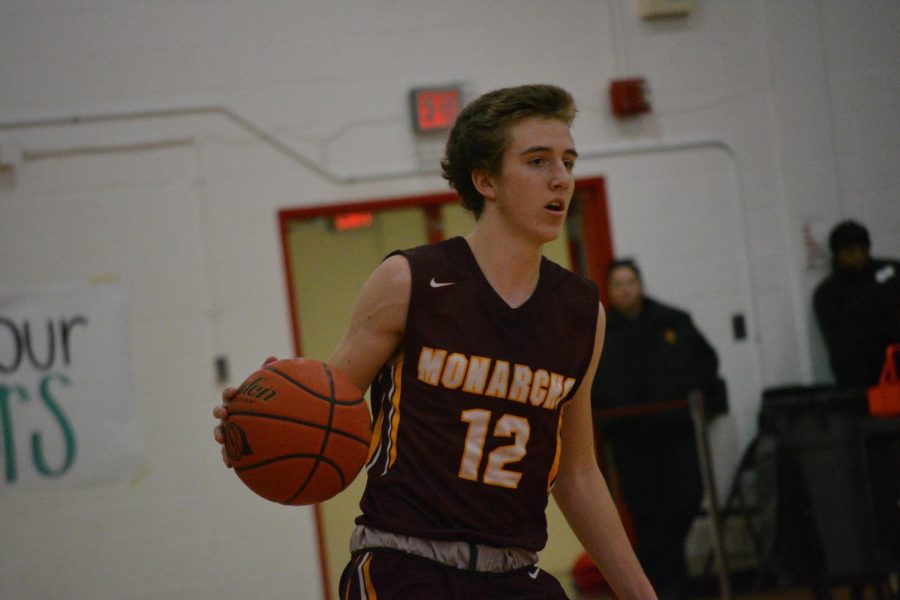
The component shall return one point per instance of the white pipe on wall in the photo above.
(288, 149)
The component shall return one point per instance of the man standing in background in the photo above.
(857, 307)
(653, 355)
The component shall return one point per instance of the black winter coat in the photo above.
(657, 357)
(859, 315)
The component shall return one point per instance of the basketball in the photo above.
(297, 431)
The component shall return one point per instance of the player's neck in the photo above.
(510, 265)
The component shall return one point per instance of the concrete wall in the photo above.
(153, 143)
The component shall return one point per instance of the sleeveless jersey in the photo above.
(466, 443)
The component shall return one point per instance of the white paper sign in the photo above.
(67, 402)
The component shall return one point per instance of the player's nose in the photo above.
(560, 175)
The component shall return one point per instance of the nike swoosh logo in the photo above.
(435, 284)
(534, 574)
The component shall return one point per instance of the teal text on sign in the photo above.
(44, 347)
(57, 418)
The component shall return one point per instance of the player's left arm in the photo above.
(583, 496)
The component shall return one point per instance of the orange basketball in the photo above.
(297, 431)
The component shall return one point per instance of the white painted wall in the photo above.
(180, 207)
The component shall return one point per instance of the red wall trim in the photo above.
(598, 244)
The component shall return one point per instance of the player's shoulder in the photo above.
(560, 275)
(447, 260)
(393, 269)
(443, 248)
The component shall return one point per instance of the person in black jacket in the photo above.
(653, 354)
(857, 307)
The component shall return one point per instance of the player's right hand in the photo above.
(220, 412)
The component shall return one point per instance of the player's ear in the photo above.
(484, 183)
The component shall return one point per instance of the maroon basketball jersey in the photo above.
(467, 424)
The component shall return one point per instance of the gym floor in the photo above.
(708, 590)
(800, 593)
(839, 593)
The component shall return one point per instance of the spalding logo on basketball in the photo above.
(236, 443)
(298, 431)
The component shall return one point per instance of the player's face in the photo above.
(533, 190)
(624, 291)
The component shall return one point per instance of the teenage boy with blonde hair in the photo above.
(480, 353)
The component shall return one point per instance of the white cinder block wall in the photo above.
(176, 200)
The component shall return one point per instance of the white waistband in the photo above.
(460, 555)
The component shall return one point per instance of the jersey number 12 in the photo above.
(495, 473)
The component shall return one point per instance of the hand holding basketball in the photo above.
(296, 431)
(220, 412)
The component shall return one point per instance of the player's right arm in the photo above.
(372, 339)
(377, 323)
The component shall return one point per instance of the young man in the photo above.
(480, 354)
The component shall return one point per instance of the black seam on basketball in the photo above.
(311, 474)
(317, 458)
(306, 389)
(270, 461)
(327, 428)
(313, 392)
(234, 413)
(320, 459)
(305, 482)
(347, 402)
(331, 409)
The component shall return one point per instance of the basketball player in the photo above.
(480, 354)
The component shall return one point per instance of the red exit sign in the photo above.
(435, 109)
(352, 220)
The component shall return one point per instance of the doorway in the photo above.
(330, 250)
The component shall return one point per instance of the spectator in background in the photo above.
(857, 307)
(653, 354)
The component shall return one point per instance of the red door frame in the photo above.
(597, 245)
(287, 215)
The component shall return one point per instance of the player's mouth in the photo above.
(557, 206)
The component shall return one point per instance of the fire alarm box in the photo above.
(657, 9)
(629, 97)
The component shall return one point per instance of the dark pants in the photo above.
(659, 477)
(393, 575)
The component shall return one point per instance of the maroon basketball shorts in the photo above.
(393, 575)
